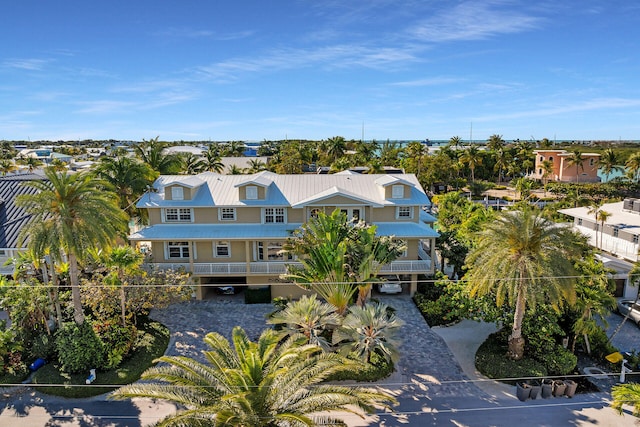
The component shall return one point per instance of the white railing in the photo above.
(276, 268)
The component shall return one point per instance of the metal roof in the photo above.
(287, 190)
(13, 218)
(180, 232)
(621, 219)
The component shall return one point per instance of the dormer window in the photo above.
(252, 192)
(397, 192)
(177, 193)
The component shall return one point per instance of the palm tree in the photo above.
(524, 259)
(594, 209)
(415, 151)
(235, 170)
(455, 141)
(308, 316)
(7, 166)
(609, 163)
(129, 177)
(602, 216)
(336, 148)
(256, 165)
(369, 329)
(32, 163)
(502, 162)
(334, 251)
(472, 157)
(495, 142)
(259, 384)
(192, 164)
(125, 260)
(152, 152)
(626, 394)
(70, 213)
(633, 165)
(547, 170)
(576, 159)
(212, 159)
(593, 299)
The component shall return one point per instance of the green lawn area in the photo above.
(152, 342)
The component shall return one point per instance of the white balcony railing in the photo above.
(277, 268)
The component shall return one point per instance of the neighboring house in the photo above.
(563, 170)
(45, 155)
(12, 218)
(619, 237)
(229, 229)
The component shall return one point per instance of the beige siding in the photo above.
(155, 216)
(187, 192)
(288, 291)
(205, 215)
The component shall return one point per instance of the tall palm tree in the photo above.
(308, 316)
(472, 157)
(495, 142)
(609, 163)
(235, 170)
(455, 141)
(129, 177)
(256, 165)
(125, 260)
(594, 209)
(336, 148)
(602, 217)
(369, 329)
(633, 165)
(524, 259)
(70, 213)
(502, 162)
(258, 384)
(575, 159)
(547, 170)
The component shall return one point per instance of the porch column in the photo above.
(413, 286)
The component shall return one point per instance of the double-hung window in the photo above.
(177, 215)
(177, 193)
(227, 214)
(404, 212)
(178, 249)
(251, 192)
(274, 215)
(222, 249)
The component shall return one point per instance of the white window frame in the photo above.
(181, 214)
(227, 214)
(177, 193)
(220, 244)
(251, 192)
(270, 215)
(397, 191)
(404, 212)
(184, 249)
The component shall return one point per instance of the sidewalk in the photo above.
(463, 339)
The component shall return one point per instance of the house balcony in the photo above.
(276, 268)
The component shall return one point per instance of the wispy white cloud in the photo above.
(105, 106)
(589, 105)
(192, 33)
(433, 81)
(473, 20)
(328, 57)
(31, 64)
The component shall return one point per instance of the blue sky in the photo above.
(254, 70)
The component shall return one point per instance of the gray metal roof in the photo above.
(287, 190)
(13, 218)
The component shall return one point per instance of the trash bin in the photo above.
(547, 389)
(559, 388)
(523, 391)
(571, 388)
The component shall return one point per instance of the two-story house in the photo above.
(618, 236)
(230, 229)
(562, 169)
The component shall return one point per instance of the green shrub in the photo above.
(435, 313)
(257, 295)
(78, 347)
(117, 341)
(600, 345)
(492, 361)
(560, 361)
(377, 369)
(43, 346)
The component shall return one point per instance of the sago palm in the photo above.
(264, 383)
(523, 259)
(369, 329)
(308, 316)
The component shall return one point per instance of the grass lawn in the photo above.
(152, 342)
